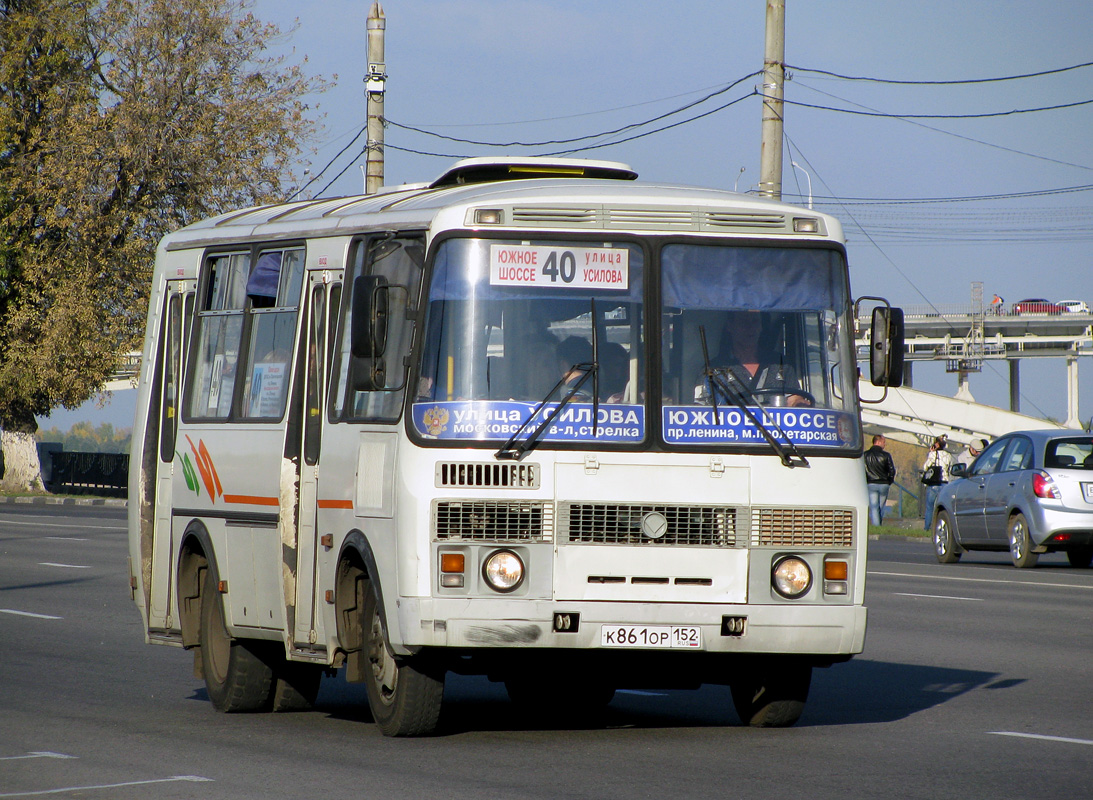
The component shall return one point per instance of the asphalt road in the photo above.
(975, 683)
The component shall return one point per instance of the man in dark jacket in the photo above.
(880, 471)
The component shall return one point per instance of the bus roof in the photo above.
(604, 197)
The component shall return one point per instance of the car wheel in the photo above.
(948, 552)
(1020, 543)
(1080, 556)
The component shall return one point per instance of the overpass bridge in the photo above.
(966, 336)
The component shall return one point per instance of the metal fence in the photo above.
(89, 473)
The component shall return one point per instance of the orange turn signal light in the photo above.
(835, 570)
(451, 562)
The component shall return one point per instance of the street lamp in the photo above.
(737, 181)
(795, 165)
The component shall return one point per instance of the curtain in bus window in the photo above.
(264, 280)
(760, 278)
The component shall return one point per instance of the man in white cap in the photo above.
(971, 453)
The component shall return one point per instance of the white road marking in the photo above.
(65, 538)
(81, 526)
(1066, 739)
(641, 693)
(37, 754)
(174, 779)
(27, 614)
(939, 596)
(63, 566)
(1036, 584)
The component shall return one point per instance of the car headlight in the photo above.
(791, 577)
(503, 571)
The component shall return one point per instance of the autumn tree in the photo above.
(120, 120)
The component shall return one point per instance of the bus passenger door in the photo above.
(310, 431)
(169, 388)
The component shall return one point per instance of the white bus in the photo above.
(499, 424)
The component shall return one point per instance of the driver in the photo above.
(740, 360)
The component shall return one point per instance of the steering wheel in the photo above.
(784, 392)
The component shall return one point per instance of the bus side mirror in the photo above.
(371, 304)
(886, 347)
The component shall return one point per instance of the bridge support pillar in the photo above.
(1072, 420)
(1015, 385)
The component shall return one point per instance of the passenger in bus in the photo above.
(741, 361)
(573, 352)
(614, 371)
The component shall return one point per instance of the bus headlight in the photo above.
(503, 571)
(791, 577)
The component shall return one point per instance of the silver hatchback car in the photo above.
(1028, 492)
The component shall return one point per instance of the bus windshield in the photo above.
(761, 329)
(512, 325)
(510, 321)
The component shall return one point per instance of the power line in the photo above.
(548, 142)
(940, 83)
(929, 116)
(972, 139)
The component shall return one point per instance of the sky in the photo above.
(508, 71)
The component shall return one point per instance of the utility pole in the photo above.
(770, 152)
(373, 90)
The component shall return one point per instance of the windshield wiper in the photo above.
(515, 451)
(740, 395)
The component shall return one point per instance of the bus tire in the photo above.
(772, 694)
(945, 546)
(236, 679)
(295, 685)
(404, 695)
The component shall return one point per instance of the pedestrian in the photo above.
(997, 303)
(971, 452)
(880, 472)
(936, 472)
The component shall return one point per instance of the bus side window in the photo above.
(218, 337)
(400, 262)
(273, 289)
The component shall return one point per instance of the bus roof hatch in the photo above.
(485, 170)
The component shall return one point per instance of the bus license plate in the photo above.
(658, 636)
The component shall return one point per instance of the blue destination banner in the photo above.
(817, 427)
(500, 419)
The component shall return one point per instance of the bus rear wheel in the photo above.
(405, 695)
(772, 694)
(236, 679)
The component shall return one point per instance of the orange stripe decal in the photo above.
(336, 504)
(250, 500)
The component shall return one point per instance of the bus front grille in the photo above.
(492, 521)
(802, 527)
(486, 476)
(652, 525)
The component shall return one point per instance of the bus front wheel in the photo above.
(236, 679)
(404, 694)
(772, 694)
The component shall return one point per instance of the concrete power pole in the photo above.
(770, 152)
(373, 90)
